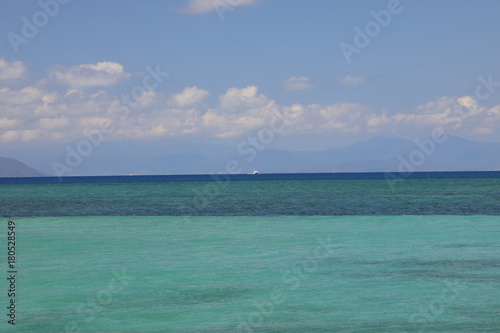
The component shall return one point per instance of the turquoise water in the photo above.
(206, 274)
(277, 255)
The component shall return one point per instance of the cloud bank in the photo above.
(43, 113)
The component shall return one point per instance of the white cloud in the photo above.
(377, 120)
(482, 131)
(22, 96)
(351, 80)
(445, 109)
(146, 99)
(9, 123)
(189, 96)
(238, 100)
(36, 113)
(53, 123)
(102, 74)
(297, 83)
(20, 135)
(92, 122)
(194, 7)
(11, 70)
(461, 116)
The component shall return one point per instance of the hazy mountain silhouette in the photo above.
(379, 154)
(10, 167)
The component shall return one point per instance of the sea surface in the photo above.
(254, 253)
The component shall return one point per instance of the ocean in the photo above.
(366, 252)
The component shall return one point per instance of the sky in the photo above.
(308, 74)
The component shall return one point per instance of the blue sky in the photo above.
(233, 64)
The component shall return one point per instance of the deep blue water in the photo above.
(332, 194)
(259, 177)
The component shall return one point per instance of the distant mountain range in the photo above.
(379, 154)
(10, 167)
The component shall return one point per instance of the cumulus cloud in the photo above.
(19, 135)
(53, 123)
(459, 116)
(241, 99)
(101, 74)
(21, 96)
(6, 123)
(146, 99)
(11, 70)
(194, 7)
(377, 120)
(37, 113)
(467, 101)
(351, 80)
(446, 108)
(297, 83)
(189, 96)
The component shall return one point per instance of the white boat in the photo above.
(255, 172)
